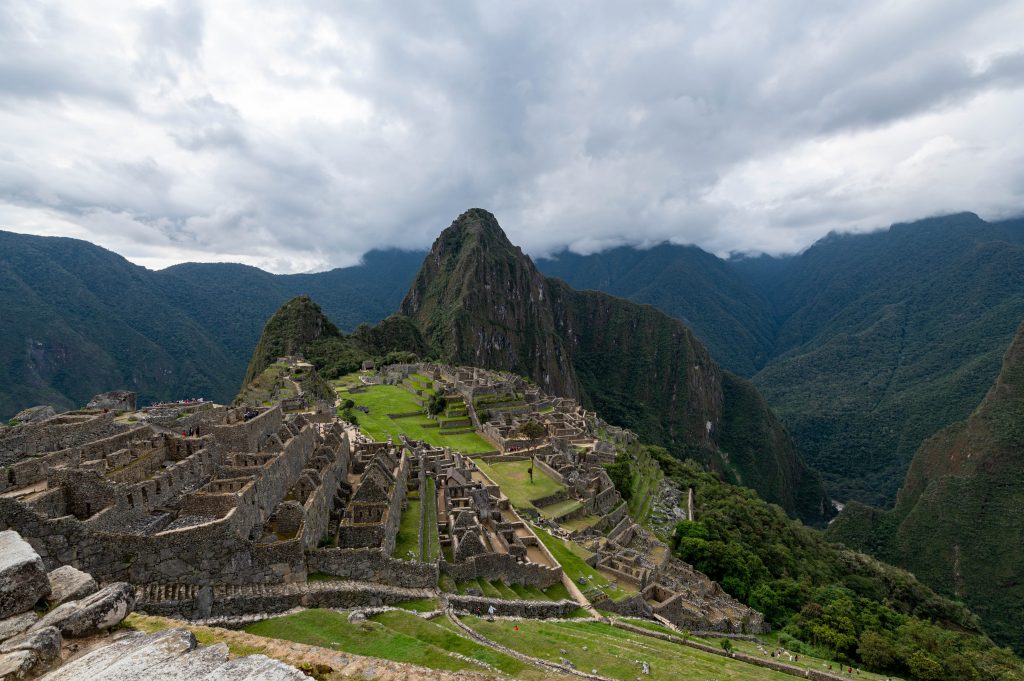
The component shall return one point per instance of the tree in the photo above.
(437, 404)
(533, 429)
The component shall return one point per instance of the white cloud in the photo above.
(297, 136)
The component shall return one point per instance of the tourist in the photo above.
(490, 613)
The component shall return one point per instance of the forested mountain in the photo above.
(864, 344)
(480, 301)
(959, 515)
(78, 319)
(731, 317)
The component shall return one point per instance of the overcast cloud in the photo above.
(296, 136)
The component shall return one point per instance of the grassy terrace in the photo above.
(433, 548)
(572, 558)
(407, 541)
(398, 636)
(382, 400)
(616, 653)
(514, 481)
(647, 476)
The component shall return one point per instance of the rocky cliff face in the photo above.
(480, 301)
(959, 517)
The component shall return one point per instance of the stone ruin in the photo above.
(210, 511)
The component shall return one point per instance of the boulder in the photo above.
(92, 614)
(12, 626)
(23, 581)
(32, 414)
(45, 643)
(17, 665)
(115, 400)
(170, 655)
(70, 584)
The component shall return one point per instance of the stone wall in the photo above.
(372, 565)
(67, 430)
(502, 608)
(502, 567)
(251, 435)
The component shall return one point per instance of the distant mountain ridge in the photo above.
(480, 301)
(78, 319)
(864, 345)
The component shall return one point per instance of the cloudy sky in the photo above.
(296, 136)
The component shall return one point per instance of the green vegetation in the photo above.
(407, 541)
(382, 400)
(571, 557)
(393, 636)
(617, 653)
(824, 596)
(633, 364)
(957, 514)
(419, 605)
(514, 479)
(433, 548)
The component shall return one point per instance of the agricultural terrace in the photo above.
(616, 653)
(381, 400)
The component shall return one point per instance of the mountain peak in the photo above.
(295, 324)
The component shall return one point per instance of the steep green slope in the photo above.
(481, 301)
(300, 328)
(836, 603)
(78, 320)
(729, 316)
(958, 519)
(887, 337)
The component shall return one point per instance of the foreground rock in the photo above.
(23, 579)
(93, 614)
(12, 626)
(171, 655)
(68, 584)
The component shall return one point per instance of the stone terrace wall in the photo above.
(205, 554)
(317, 510)
(251, 435)
(372, 565)
(51, 435)
(502, 608)
(503, 567)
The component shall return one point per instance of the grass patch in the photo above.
(433, 548)
(514, 480)
(419, 604)
(442, 634)
(617, 653)
(571, 556)
(407, 541)
(557, 592)
(582, 523)
(382, 400)
(561, 508)
(331, 629)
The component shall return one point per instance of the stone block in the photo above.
(70, 584)
(92, 614)
(12, 626)
(23, 579)
(44, 642)
(18, 665)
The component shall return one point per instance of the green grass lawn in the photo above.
(419, 604)
(514, 481)
(580, 523)
(382, 400)
(617, 653)
(433, 548)
(407, 541)
(571, 556)
(398, 636)
(561, 508)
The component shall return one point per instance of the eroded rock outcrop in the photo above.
(68, 583)
(92, 614)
